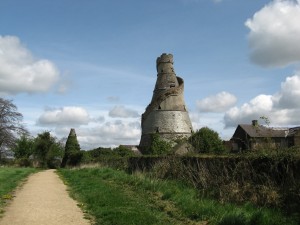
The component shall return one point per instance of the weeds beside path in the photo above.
(43, 199)
(116, 198)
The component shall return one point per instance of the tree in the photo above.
(72, 155)
(10, 125)
(100, 152)
(206, 140)
(23, 149)
(123, 151)
(47, 150)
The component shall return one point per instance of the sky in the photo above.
(91, 64)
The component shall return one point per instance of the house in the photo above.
(254, 136)
(294, 136)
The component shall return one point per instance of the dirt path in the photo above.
(43, 200)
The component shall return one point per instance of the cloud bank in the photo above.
(274, 41)
(282, 108)
(110, 134)
(92, 131)
(66, 116)
(21, 72)
(123, 112)
(275, 33)
(216, 103)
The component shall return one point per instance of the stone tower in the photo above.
(166, 114)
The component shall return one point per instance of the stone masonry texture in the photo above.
(166, 114)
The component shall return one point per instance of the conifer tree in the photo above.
(72, 154)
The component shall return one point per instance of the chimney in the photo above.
(254, 123)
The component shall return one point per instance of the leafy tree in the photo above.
(206, 140)
(72, 154)
(94, 154)
(10, 125)
(24, 147)
(123, 151)
(54, 155)
(159, 146)
(99, 152)
(47, 150)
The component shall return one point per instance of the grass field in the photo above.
(114, 197)
(10, 178)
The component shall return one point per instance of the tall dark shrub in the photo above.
(72, 154)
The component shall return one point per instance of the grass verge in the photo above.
(114, 197)
(10, 178)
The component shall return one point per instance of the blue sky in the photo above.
(90, 65)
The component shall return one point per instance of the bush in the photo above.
(206, 140)
(123, 151)
(159, 146)
(23, 162)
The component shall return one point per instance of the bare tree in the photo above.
(10, 125)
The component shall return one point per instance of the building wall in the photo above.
(297, 138)
(162, 121)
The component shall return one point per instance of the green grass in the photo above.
(10, 178)
(114, 197)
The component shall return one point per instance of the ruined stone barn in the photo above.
(166, 114)
(254, 137)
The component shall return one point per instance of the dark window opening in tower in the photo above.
(157, 129)
(159, 107)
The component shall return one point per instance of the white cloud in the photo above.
(282, 108)
(289, 95)
(21, 72)
(257, 107)
(92, 131)
(216, 103)
(123, 112)
(110, 134)
(275, 33)
(71, 116)
(195, 120)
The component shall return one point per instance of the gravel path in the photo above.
(43, 200)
